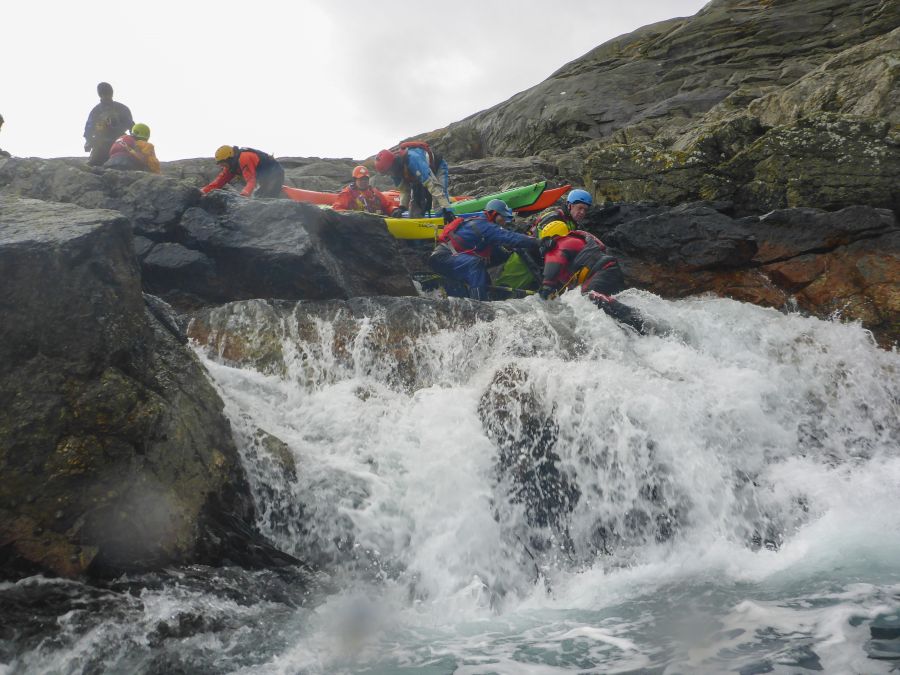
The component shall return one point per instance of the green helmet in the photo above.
(140, 131)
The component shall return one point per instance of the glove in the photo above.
(87, 146)
(397, 213)
(448, 215)
(600, 299)
(545, 292)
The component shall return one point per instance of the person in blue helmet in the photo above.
(524, 272)
(468, 245)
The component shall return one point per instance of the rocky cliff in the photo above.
(749, 151)
(764, 103)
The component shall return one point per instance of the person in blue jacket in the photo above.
(420, 176)
(470, 244)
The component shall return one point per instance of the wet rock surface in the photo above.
(114, 450)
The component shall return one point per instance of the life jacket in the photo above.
(433, 160)
(548, 215)
(450, 235)
(576, 266)
(266, 161)
(124, 144)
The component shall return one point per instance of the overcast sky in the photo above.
(327, 78)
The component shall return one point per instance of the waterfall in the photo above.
(531, 487)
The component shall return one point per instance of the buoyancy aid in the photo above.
(450, 234)
(266, 161)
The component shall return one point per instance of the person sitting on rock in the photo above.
(573, 258)
(468, 245)
(360, 196)
(107, 121)
(260, 171)
(3, 153)
(133, 152)
(421, 178)
(524, 273)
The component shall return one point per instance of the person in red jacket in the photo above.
(360, 196)
(573, 258)
(260, 171)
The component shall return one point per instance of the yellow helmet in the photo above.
(555, 228)
(140, 131)
(224, 152)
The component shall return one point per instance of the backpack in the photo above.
(433, 160)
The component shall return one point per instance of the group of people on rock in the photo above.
(553, 256)
(113, 138)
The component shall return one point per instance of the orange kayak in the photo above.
(548, 198)
(327, 198)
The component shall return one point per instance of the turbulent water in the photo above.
(543, 492)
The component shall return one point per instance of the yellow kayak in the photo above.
(414, 228)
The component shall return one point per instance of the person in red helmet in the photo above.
(360, 196)
(420, 176)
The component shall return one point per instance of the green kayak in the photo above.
(515, 199)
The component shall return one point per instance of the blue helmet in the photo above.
(579, 197)
(500, 207)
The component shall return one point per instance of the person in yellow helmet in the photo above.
(133, 151)
(262, 174)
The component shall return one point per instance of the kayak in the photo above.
(414, 228)
(517, 198)
(548, 198)
(327, 198)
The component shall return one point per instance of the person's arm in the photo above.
(219, 181)
(89, 129)
(493, 234)
(148, 155)
(248, 161)
(386, 205)
(342, 201)
(125, 118)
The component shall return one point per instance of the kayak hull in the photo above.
(515, 199)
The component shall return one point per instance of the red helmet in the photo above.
(384, 160)
(360, 172)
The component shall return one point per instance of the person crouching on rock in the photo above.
(261, 172)
(360, 196)
(469, 245)
(133, 152)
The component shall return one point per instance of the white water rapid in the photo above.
(546, 492)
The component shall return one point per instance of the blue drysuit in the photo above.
(468, 251)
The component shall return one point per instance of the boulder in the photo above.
(153, 203)
(279, 249)
(114, 452)
(689, 237)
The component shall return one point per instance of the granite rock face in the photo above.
(114, 452)
(196, 250)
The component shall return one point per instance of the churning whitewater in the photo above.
(529, 487)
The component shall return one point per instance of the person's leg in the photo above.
(100, 151)
(270, 182)
(606, 277)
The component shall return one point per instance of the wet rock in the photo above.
(105, 417)
(528, 469)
